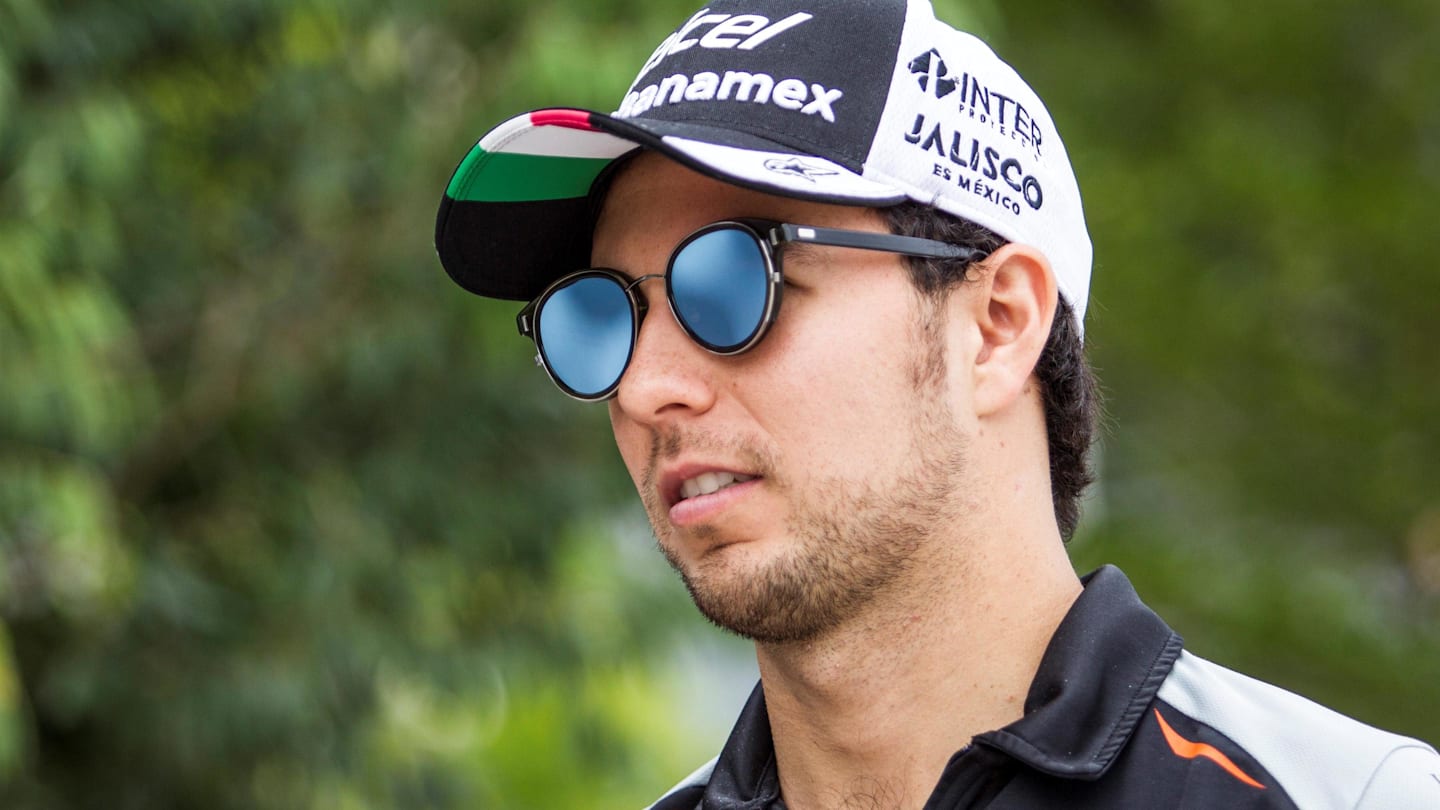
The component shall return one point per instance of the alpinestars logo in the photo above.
(796, 167)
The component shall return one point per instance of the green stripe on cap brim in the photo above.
(521, 178)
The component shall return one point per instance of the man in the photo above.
(874, 480)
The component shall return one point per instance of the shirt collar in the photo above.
(1100, 671)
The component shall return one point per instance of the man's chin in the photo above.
(772, 601)
(706, 551)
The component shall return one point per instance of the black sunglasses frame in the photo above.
(768, 235)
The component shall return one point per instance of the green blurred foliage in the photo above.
(288, 521)
(1263, 189)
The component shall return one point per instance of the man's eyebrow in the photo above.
(805, 252)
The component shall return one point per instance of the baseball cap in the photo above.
(854, 102)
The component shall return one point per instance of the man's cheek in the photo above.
(634, 451)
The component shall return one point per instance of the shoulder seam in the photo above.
(1369, 783)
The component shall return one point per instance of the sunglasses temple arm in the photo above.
(864, 240)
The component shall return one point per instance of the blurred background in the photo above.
(288, 521)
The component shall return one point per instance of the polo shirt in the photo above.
(1119, 715)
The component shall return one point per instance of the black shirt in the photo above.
(1120, 716)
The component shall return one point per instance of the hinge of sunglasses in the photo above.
(778, 236)
(524, 324)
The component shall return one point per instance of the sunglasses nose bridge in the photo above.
(638, 299)
(634, 285)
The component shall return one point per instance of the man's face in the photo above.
(837, 431)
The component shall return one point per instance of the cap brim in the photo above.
(517, 213)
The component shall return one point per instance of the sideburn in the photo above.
(929, 365)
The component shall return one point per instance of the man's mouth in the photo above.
(711, 482)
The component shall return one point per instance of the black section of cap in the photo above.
(512, 249)
(848, 45)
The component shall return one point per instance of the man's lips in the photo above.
(701, 509)
(687, 481)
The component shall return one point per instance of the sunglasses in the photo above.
(723, 283)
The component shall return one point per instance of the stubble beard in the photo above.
(849, 542)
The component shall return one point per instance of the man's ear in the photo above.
(1013, 305)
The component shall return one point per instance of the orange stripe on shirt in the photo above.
(1190, 750)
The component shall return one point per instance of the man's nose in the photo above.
(669, 375)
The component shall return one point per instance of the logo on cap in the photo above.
(1003, 112)
(745, 32)
(932, 72)
(795, 167)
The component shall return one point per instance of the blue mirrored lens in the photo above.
(718, 284)
(585, 333)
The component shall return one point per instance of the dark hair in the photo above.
(1071, 397)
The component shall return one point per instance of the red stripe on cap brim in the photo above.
(563, 117)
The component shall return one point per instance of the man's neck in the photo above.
(877, 707)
